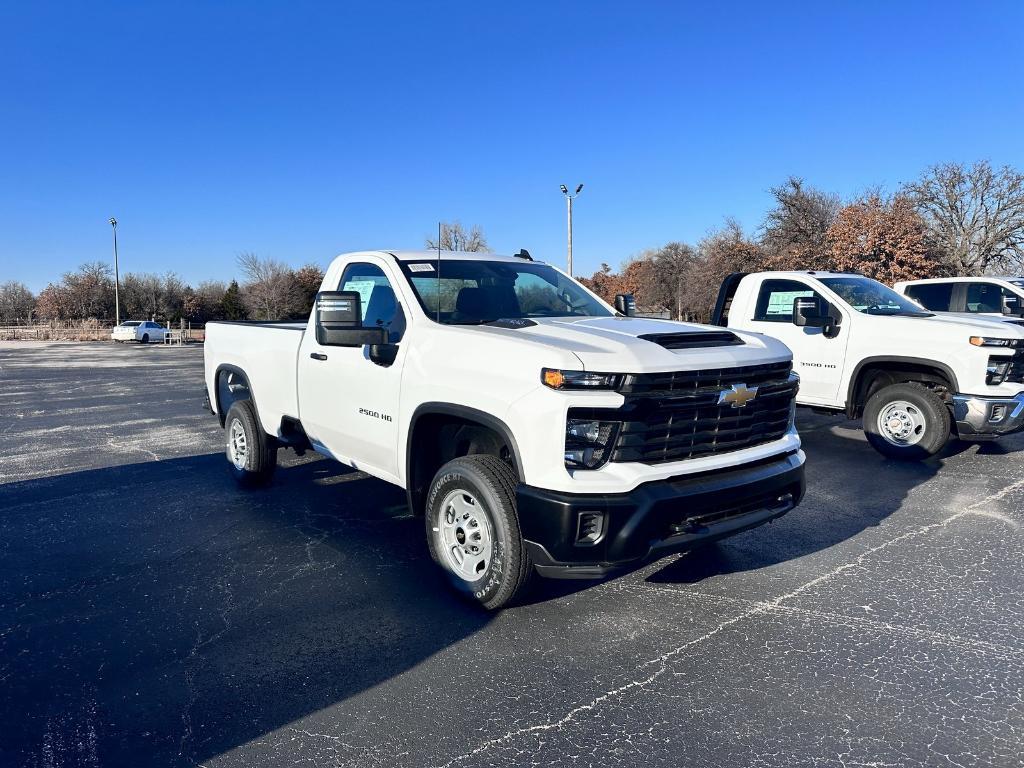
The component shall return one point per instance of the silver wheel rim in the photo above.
(238, 446)
(465, 535)
(901, 423)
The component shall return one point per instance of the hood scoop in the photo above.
(693, 340)
(510, 322)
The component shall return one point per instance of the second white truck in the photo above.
(535, 427)
(865, 350)
(998, 298)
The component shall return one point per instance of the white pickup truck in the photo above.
(998, 298)
(863, 349)
(535, 427)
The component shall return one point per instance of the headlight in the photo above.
(588, 443)
(556, 379)
(995, 371)
(991, 341)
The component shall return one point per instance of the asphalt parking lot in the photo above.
(153, 614)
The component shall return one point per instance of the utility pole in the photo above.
(568, 204)
(117, 279)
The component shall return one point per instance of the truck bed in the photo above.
(267, 352)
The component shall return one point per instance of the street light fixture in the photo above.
(117, 297)
(568, 200)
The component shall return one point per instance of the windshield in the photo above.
(131, 323)
(871, 297)
(477, 292)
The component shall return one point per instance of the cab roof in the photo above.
(809, 273)
(453, 256)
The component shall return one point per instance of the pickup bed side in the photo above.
(261, 357)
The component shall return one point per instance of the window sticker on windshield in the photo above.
(781, 302)
(421, 267)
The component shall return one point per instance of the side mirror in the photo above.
(807, 313)
(1014, 307)
(625, 304)
(338, 319)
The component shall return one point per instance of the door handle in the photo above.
(318, 355)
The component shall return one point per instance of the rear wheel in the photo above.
(907, 422)
(252, 453)
(473, 530)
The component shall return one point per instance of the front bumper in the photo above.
(978, 416)
(654, 519)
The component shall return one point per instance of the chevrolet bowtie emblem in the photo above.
(738, 395)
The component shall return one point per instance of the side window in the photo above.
(377, 298)
(776, 297)
(937, 297)
(984, 297)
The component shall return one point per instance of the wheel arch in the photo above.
(859, 387)
(428, 422)
(225, 395)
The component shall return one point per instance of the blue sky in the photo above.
(303, 130)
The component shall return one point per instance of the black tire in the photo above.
(145, 338)
(257, 464)
(490, 482)
(931, 435)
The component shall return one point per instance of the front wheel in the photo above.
(907, 422)
(473, 530)
(145, 338)
(251, 452)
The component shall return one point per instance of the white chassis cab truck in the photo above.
(534, 427)
(999, 298)
(863, 349)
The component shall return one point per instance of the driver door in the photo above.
(816, 357)
(347, 403)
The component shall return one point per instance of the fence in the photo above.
(80, 330)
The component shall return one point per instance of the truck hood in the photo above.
(969, 324)
(612, 344)
(1001, 320)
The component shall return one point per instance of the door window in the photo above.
(937, 297)
(984, 297)
(775, 300)
(377, 299)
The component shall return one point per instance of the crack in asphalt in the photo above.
(756, 609)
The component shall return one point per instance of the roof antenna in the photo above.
(439, 273)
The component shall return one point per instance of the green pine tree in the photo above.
(231, 306)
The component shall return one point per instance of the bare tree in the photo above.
(16, 302)
(454, 237)
(722, 252)
(89, 292)
(662, 280)
(172, 297)
(271, 291)
(974, 215)
(796, 229)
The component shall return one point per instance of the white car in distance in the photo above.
(143, 331)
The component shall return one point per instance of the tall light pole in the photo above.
(568, 203)
(117, 279)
